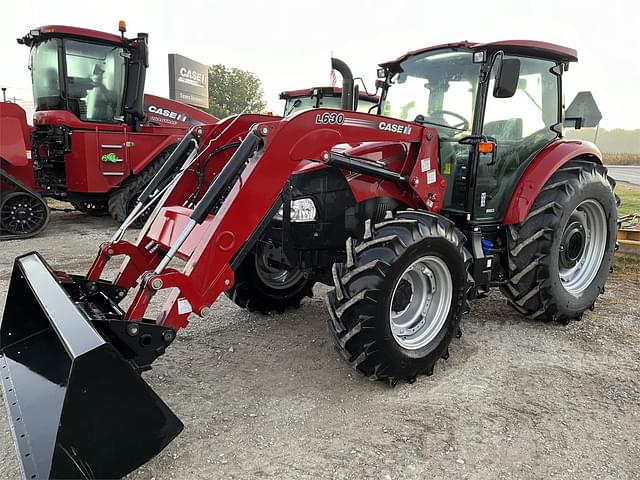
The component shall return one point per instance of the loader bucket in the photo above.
(77, 408)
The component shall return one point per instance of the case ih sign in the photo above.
(188, 81)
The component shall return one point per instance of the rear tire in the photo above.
(561, 255)
(264, 286)
(399, 297)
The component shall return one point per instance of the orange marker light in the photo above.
(122, 26)
(485, 147)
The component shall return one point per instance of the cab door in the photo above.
(521, 126)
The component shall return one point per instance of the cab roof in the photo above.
(63, 30)
(531, 48)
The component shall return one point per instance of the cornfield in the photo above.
(621, 158)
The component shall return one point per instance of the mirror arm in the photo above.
(487, 67)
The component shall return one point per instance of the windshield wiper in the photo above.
(420, 119)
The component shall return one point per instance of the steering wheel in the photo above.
(463, 125)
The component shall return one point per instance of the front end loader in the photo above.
(408, 220)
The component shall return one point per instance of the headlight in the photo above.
(302, 210)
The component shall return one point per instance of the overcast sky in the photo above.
(288, 43)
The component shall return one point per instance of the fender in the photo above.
(541, 168)
(16, 135)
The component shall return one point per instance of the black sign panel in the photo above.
(188, 81)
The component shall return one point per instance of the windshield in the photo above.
(300, 104)
(94, 84)
(437, 87)
(95, 80)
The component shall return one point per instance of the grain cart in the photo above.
(466, 185)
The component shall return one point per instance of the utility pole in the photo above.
(4, 94)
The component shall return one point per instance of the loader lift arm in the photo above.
(242, 194)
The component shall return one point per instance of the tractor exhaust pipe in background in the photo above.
(347, 83)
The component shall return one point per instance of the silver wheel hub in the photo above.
(582, 246)
(420, 302)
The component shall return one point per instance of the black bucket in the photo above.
(78, 409)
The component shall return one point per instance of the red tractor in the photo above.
(465, 185)
(330, 97)
(96, 140)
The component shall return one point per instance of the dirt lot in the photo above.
(269, 397)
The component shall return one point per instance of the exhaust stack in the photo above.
(347, 83)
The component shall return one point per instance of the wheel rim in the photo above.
(582, 246)
(420, 302)
(271, 274)
(22, 214)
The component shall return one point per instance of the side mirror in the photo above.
(507, 78)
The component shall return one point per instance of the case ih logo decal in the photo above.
(191, 77)
(181, 117)
(394, 127)
(340, 119)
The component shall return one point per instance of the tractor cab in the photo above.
(323, 97)
(495, 106)
(98, 77)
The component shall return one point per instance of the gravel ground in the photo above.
(269, 397)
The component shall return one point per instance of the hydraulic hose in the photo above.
(223, 180)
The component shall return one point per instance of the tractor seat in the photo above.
(504, 130)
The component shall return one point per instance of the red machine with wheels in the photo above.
(466, 185)
(96, 138)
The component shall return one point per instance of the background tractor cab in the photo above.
(496, 106)
(346, 98)
(97, 138)
(96, 76)
(323, 97)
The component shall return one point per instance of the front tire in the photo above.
(264, 284)
(561, 255)
(399, 297)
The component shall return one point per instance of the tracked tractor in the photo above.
(96, 140)
(465, 184)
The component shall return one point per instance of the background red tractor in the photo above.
(466, 184)
(347, 97)
(96, 137)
